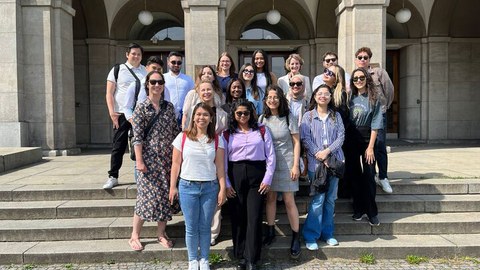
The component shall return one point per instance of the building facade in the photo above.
(57, 55)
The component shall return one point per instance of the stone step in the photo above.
(124, 207)
(351, 247)
(80, 191)
(113, 228)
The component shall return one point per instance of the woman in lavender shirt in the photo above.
(251, 163)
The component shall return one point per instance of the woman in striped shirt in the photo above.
(322, 134)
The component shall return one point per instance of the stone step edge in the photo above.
(350, 247)
(128, 191)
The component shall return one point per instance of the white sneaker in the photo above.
(204, 265)
(385, 185)
(111, 182)
(193, 265)
(311, 246)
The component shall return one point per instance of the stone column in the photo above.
(204, 32)
(13, 127)
(48, 74)
(362, 23)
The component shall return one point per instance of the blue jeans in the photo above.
(198, 200)
(319, 223)
(381, 158)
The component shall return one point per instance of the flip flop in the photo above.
(166, 242)
(135, 244)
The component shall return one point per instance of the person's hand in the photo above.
(173, 194)
(141, 167)
(114, 116)
(231, 192)
(222, 197)
(294, 173)
(369, 155)
(322, 155)
(264, 188)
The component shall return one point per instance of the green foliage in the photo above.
(29, 266)
(367, 258)
(214, 258)
(69, 266)
(414, 259)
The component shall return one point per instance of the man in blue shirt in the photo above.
(177, 84)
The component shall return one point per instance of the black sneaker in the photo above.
(357, 217)
(374, 221)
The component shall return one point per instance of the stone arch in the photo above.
(455, 18)
(295, 22)
(327, 19)
(90, 19)
(126, 26)
(414, 28)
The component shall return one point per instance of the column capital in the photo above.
(186, 4)
(57, 4)
(352, 3)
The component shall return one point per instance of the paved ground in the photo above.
(335, 264)
(405, 161)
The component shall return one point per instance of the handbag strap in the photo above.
(154, 119)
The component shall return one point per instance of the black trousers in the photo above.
(246, 209)
(120, 143)
(359, 175)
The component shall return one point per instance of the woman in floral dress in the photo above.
(153, 160)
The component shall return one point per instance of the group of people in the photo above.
(246, 138)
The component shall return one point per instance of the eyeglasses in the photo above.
(179, 63)
(328, 72)
(154, 82)
(248, 71)
(361, 78)
(240, 113)
(365, 57)
(273, 98)
(330, 60)
(320, 94)
(298, 84)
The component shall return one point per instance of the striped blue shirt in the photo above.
(316, 133)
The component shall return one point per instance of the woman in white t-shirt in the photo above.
(198, 157)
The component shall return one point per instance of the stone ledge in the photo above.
(15, 157)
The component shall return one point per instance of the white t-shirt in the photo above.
(125, 78)
(198, 158)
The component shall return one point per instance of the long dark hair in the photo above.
(147, 79)
(283, 109)
(252, 121)
(266, 70)
(331, 107)
(229, 98)
(192, 129)
(253, 83)
(372, 95)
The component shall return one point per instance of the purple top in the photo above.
(250, 146)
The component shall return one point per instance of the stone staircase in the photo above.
(84, 224)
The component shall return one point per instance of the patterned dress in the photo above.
(283, 144)
(154, 185)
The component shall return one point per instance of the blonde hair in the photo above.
(339, 86)
(295, 56)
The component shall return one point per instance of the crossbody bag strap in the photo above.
(137, 84)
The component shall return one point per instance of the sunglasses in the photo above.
(248, 71)
(328, 72)
(330, 60)
(298, 84)
(240, 113)
(365, 57)
(176, 63)
(154, 82)
(356, 79)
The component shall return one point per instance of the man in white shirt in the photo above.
(119, 79)
(329, 59)
(177, 84)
